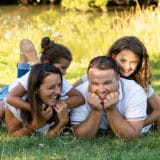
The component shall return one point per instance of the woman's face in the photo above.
(50, 89)
(63, 65)
(127, 62)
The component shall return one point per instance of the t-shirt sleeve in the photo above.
(66, 87)
(13, 84)
(24, 80)
(79, 114)
(150, 92)
(137, 106)
(85, 78)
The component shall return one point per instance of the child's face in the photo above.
(50, 89)
(127, 62)
(63, 65)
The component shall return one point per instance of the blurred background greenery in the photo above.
(87, 33)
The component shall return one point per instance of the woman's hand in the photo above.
(62, 112)
(46, 112)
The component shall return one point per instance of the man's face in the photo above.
(102, 82)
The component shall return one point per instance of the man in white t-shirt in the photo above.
(110, 101)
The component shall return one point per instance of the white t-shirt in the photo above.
(150, 91)
(85, 78)
(132, 103)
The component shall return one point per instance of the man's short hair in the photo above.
(103, 63)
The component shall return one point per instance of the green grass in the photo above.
(70, 148)
(87, 35)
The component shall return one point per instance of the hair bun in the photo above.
(45, 42)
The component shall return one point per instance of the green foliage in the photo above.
(87, 34)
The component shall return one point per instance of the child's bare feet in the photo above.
(28, 52)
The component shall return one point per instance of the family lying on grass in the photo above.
(115, 94)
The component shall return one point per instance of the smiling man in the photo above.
(110, 101)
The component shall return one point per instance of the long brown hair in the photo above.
(142, 74)
(37, 74)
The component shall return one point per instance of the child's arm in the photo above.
(14, 98)
(78, 82)
(75, 98)
(81, 80)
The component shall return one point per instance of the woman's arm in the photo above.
(14, 126)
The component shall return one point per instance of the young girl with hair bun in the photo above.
(59, 56)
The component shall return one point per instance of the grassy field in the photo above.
(70, 148)
(86, 34)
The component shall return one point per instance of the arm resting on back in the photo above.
(154, 104)
(15, 98)
(74, 99)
